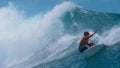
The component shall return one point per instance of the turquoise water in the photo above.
(56, 35)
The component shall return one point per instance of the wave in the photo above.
(56, 35)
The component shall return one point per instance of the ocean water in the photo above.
(50, 40)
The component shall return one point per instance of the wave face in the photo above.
(61, 29)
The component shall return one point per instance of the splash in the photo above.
(111, 36)
(19, 34)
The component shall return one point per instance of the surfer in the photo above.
(83, 45)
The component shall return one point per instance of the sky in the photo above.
(32, 7)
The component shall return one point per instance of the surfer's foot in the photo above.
(91, 44)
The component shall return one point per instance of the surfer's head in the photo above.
(86, 33)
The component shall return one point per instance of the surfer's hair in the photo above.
(86, 33)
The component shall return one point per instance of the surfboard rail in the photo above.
(94, 49)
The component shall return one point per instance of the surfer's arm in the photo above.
(90, 35)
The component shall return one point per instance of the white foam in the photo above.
(111, 36)
(20, 36)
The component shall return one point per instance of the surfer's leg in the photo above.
(82, 48)
(91, 44)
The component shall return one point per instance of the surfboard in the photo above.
(94, 49)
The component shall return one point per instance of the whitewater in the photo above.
(50, 39)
